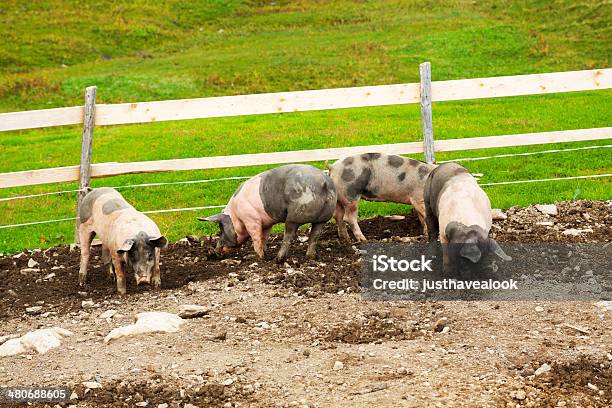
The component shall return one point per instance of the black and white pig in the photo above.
(460, 211)
(295, 194)
(130, 239)
(376, 177)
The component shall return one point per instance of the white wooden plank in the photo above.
(426, 118)
(41, 118)
(521, 85)
(42, 176)
(526, 139)
(64, 174)
(257, 104)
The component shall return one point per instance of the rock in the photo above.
(162, 405)
(445, 330)
(544, 368)
(34, 310)
(32, 263)
(593, 387)
(142, 404)
(192, 311)
(498, 214)
(86, 304)
(148, 322)
(539, 309)
(231, 262)
(190, 406)
(546, 223)
(395, 217)
(49, 276)
(548, 209)
(108, 314)
(338, 365)
(11, 293)
(40, 341)
(74, 396)
(518, 395)
(227, 382)
(576, 232)
(91, 385)
(440, 324)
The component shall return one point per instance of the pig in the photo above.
(130, 240)
(460, 211)
(295, 194)
(376, 177)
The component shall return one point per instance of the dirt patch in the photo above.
(583, 382)
(300, 334)
(53, 281)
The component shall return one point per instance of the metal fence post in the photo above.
(86, 149)
(426, 119)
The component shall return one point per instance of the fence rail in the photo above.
(71, 173)
(323, 99)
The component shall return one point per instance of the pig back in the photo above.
(297, 193)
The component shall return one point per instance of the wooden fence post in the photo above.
(86, 149)
(426, 119)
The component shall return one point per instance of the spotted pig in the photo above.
(376, 177)
(460, 211)
(295, 194)
(130, 240)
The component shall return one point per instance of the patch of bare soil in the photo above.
(299, 334)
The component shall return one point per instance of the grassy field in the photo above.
(142, 51)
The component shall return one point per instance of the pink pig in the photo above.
(130, 239)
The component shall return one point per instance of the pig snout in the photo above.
(143, 279)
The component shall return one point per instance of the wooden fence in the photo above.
(426, 92)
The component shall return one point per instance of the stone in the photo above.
(395, 217)
(86, 304)
(497, 214)
(548, 209)
(193, 311)
(229, 381)
(108, 314)
(147, 322)
(543, 369)
(91, 385)
(539, 309)
(40, 341)
(576, 232)
(338, 365)
(32, 263)
(518, 395)
(545, 223)
(34, 310)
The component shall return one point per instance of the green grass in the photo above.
(142, 51)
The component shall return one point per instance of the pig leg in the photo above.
(108, 262)
(257, 236)
(315, 233)
(156, 278)
(85, 238)
(339, 216)
(119, 273)
(419, 207)
(290, 234)
(351, 218)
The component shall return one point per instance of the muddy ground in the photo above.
(299, 334)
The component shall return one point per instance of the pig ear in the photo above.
(496, 249)
(127, 245)
(471, 252)
(213, 218)
(160, 242)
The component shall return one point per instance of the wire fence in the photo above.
(223, 206)
(247, 177)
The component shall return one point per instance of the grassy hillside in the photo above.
(141, 51)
